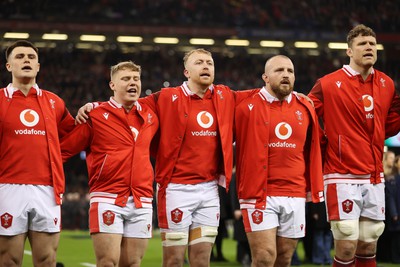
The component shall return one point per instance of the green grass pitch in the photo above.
(75, 250)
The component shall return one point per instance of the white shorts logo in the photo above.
(283, 130)
(368, 102)
(29, 117)
(205, 119)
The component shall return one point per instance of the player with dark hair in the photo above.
(31, 172)
(354, 103)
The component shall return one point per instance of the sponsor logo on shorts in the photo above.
(6, 220)
(347, 206)
(108, 217)
(257, 217)
(55, 221)
(176, 215)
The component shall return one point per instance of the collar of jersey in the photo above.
(115, 104)
(11, 89)
(350, 72)
(187, 91)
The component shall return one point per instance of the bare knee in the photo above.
(106, 262)
(263, 258)
(7, 261)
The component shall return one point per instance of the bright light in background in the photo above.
(16, 35)
(129, 39)
(92, 38)
(267, 43)
(201, 41)
(166, 40)
(334, 45)
(305, 45)
(54, 36)
(237, 42)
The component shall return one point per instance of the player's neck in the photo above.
(24, 85)
(363, 70)
(198, 89)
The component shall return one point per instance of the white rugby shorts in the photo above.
(28, 207)
(287, 214)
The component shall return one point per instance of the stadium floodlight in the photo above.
(237, 42)
(92, 38)
(334, 45)
(270, 43)
(201, 41)
(166, 40)
(54, 36)
(45, 44)
(16, 35)
(129, 39)
(300, 44)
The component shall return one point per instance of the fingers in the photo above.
(83, 112)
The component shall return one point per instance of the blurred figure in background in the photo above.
(322, 235)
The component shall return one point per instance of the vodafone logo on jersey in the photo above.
(368, 102)
(205, 120)
(29, 117)
(135, 132)
(283, 131)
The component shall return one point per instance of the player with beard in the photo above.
(355, 105)
(278, 162)
(194, 155)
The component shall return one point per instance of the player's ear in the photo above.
(265, 77)
(112, 85)
(349, 52)
(186, 73)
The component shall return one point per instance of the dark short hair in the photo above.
(20, 43)
(360, 29)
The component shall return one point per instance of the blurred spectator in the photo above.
(322, 235)
(393, 211)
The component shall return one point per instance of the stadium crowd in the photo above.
(331, 15)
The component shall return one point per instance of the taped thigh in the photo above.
(345, 229)
(370, 231)
(174, 239)
(203, 234)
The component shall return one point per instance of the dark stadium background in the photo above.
(78, 71)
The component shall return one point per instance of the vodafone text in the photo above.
(29, 132)
(282, 144)
(204, 133)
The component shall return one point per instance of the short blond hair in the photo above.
(198, 50)
(125, 65)
(360, 29)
